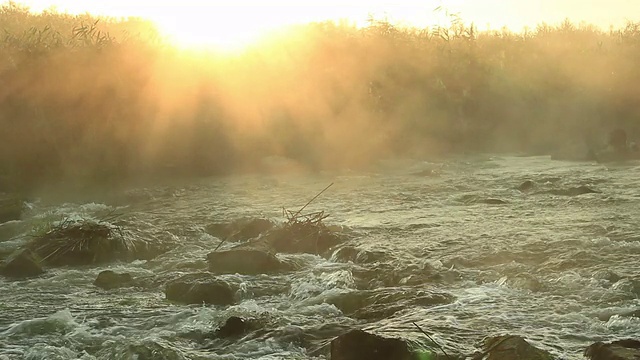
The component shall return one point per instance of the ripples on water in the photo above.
(558, 270)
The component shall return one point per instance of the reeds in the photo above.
(81, 242)
(91, 100)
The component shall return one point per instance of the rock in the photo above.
(233, 327)
(526, 186)
(21, 264)
(110, 280)
(212, 292)
(492, 201)
(471, 199)
(240, 230)
(88, 242)
(358, 345)
(617, 350)
(574, 191)
(301, 238)
(509, 347)
(244, 261)
(10, 208)
(383, 302)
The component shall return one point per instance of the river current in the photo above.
(427, 242)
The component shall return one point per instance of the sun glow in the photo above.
(233, 25)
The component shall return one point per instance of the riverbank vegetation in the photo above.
(98, 100)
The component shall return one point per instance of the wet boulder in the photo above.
(510, 347)
(617, 350)
(234, 327)
(239, 230)
(212, 292)
(108, 280)
(21, 264)
(358, 344)
(244, 261)
(302, 237)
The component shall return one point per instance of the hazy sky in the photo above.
(239, 20)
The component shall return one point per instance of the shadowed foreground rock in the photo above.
(111, 280)
(212, 292)
(360, 345)
(244, 261)
(21, 264)
(509, 347)
(616, 350)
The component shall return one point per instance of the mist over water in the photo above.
(558, 270)
(95, 101)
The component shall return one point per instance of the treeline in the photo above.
(88, 100)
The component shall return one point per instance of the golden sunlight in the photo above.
(232, 25)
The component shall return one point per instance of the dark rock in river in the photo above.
(526, 186)
(239, 230)
(470, 199)
(244, 261)
(212, 292)
(616, 350)
(383, 302)
(21, 264)
(509, 347)
(110, 280)
(359, 345)
(302, 237)
(10, 208)
(233, 327)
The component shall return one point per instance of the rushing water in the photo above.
(559, 270)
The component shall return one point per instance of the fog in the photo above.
(98, 101)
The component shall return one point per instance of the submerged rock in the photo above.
(212, 292)
(526, 186)
(492, 201)
(574, 191)
(510, 347)
(617, 350)
(470, 199)
(383, 302)
(21, 264)
(244, 261)
(358, 345)
(110, 280)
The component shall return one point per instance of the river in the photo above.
(423, 246)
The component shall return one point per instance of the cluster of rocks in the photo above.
(256, 253)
